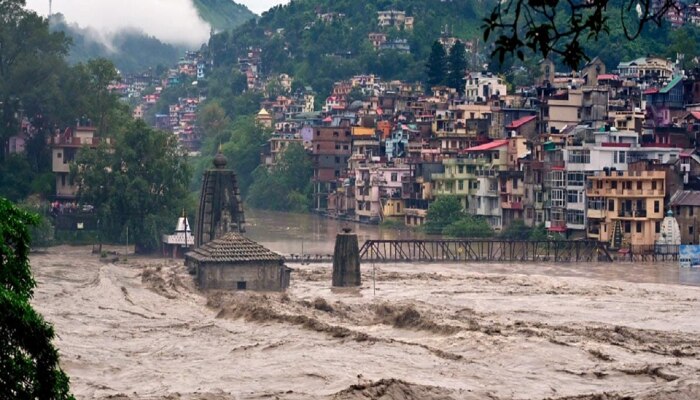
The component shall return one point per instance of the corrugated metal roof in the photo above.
(233, 248)
(686, 198)
(671, 84)
(489, 145)
(521, 121)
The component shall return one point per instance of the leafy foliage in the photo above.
(441, 213)
(562, 27)
(223, 14)
(436, 68)
(469, 227)
(287, 186)
(457, 67)
(29, 367)
(140, 183)
(294, 40)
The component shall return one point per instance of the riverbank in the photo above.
(140, 330)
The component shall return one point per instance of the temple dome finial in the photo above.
(220, 160)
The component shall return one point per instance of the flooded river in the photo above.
(141, 330)
(311, 234)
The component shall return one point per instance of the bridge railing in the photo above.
(479, 250)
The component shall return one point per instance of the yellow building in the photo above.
(625, 207)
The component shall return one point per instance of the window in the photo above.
(558, 198)
(621, 157)
(335, 133)
(691, 230)
(639, 227)
(515, 183)
(460, 185)
(690, 211)
(628, 227)
(575, 179)
(656, 206)
(461, 169)
(538, 197)
(241, 285)
(574, 217)
(337, 160)
(653, 185)
(580, 156)
(530, 213)
(496, 155)
(572, 196)
(639, 186)
(611, 205)
(596, 204)
(394, 177)
(658, 226)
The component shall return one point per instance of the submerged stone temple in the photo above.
(223, 258)
(235, 262)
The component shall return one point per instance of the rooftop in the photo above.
(488, 146)
(686, 198)
(233, 248)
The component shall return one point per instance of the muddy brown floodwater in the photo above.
(141, 330)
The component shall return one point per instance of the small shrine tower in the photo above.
(220, 206)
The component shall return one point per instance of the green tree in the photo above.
(139, 184)
(469, 227)
(212, 119)
(442, 212)
(436, 68)
(243, 149)
(30, 57)
(562, 28)
(29, 363)
(517, 230)
(287, 186)
(457, 67)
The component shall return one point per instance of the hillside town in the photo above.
(601, 153)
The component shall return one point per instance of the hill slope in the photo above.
(129, 50)
(320, 41)
(223, 15)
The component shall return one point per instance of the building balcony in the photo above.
(512, 205)
(416, 212)
(556, 225)
(466, 161)
(595, 214)
(632, 215)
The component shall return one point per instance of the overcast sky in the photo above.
(172, 21)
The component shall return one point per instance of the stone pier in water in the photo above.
(346, 261)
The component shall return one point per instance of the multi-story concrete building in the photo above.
(331, 148)
(625, 208)
(473, 177)
(64, 148)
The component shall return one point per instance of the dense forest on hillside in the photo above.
(223, 15)
(295, 40)
(131, 51)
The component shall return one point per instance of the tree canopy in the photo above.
(138, 183)
(563, 27)
(436, 68)
(29, 367)
(287, 185)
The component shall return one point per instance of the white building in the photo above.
(481, 86)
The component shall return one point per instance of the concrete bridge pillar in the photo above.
(346, 260)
